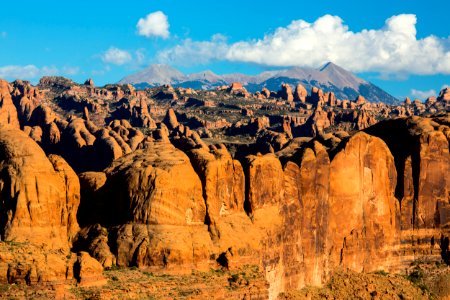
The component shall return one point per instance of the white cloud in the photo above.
(26, 72)
(154, 24)
(392, 49)
(192, 52)
(102, 71)
(422, 94)
(116, 56)
(71, 70)
(140, 56)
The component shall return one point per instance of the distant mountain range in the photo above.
(329, 77)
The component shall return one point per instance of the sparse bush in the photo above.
(148, 274)
(381, 272)
(415, 276)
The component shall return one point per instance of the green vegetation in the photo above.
(381, 272)
(85, 293)
(243, 277)
(135, 283)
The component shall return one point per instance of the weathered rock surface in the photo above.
(300, 93)
(26, 263)
(152, 201)
(264, 182)
(421, 150)
(8, 112)
(301, 221)
(223, 182)
(40, 197)
(286, 92)
(290, 185)
(315, 188)
(363, 208)
(87, 270)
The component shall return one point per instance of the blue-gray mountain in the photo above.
(329, 78)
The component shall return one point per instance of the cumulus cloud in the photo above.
(26, 72)
(102, 71)
(392, 49)
(140, 56)
(116, 56)
(193, 52)
(422, 94)
(154, 24)
(71, 70)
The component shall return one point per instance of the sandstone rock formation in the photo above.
(315, 188)
(421, 150)
(317, 97)
(88, 271)
(170, 120)
(40, 196)
(223, 182)
(300, 93)
(8, 112)
(158, 206)
(286, 92)
(169, 182)
(363, 208)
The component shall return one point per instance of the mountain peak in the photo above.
(329, 77)
(155, 74)
(207, 75)
(329, 66)
(161, 67)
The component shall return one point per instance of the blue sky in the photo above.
(401, 46)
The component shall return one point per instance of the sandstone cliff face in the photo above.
(38, 208)
(161, 187)
(315, 189)
(286, 92)
(421, 150)
(26, 98)
(374, 200)
(40, 197)
(264, 177)
(299, 221)
(223, 184)
(25, 263)
(8, 112)
(288, 210)
(152, 201)
(362, 204)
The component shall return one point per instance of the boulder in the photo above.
(265, 92)
(88, 271)
(235, 86)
